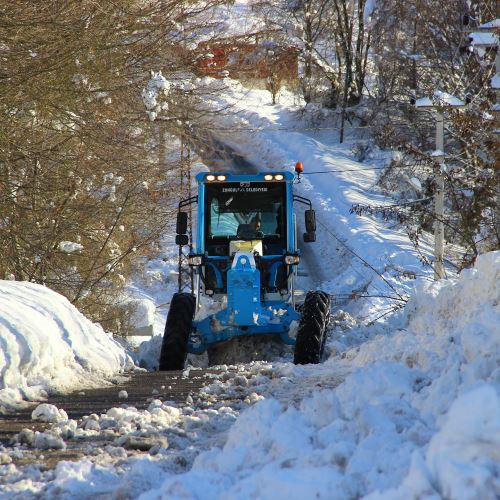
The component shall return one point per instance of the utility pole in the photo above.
(439, 201)
(437, 104)
(486, 36)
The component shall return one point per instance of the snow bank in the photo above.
(451, 332)
(463, 458)
(413, 412)
(419, 415)
(47, 345)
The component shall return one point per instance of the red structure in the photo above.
(250, 60)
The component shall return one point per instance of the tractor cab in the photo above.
(245, 217)
(245, 256)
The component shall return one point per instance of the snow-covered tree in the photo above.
(82, 194)
(418, 50)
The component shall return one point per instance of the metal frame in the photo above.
(185, 278)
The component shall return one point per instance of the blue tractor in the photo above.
(245, 257)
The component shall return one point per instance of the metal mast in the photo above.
(185, 272)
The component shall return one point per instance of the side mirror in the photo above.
(182, 223)
(310, 216)
(310, 237)
(181, 239)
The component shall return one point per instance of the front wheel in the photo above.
(177, 330)
(311, 335)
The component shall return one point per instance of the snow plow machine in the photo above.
(245, 257)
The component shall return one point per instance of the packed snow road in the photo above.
(137, 390)
(163, 423)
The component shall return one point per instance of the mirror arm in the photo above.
(187, 201)
(304, 201)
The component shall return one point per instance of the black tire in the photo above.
(177, 330)
(311, 335)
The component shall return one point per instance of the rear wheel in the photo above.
(177, 330)
(311, 335)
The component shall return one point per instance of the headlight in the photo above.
(210, 178)
(221, 177)
(268, 177)
(279, 177)
(291, 259)
(195, 260)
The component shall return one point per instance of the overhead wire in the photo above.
(364, 261)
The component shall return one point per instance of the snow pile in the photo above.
(451, 332)
(158, 416)
(418, 416)
(49, 413)
(463, 458)
(149, 353)
(169, 436)
(142, 313)
(48, 441)
(47, 345)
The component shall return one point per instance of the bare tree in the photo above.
(334, 42)
(417, 50)
(83, 197)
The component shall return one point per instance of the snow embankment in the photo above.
(47, 345)
(417, 417)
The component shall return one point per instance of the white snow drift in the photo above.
(412, 412)
(47, 345)
(419, 415)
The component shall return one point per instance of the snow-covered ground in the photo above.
(413, 411)
(406, 407)
(47, 345)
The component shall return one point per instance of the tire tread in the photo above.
(177, 330)
(311, 334)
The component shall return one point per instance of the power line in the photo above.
(364, 261)
(342, 171)
(299, 129)
(386, 167)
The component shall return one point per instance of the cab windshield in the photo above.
(245, 211)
